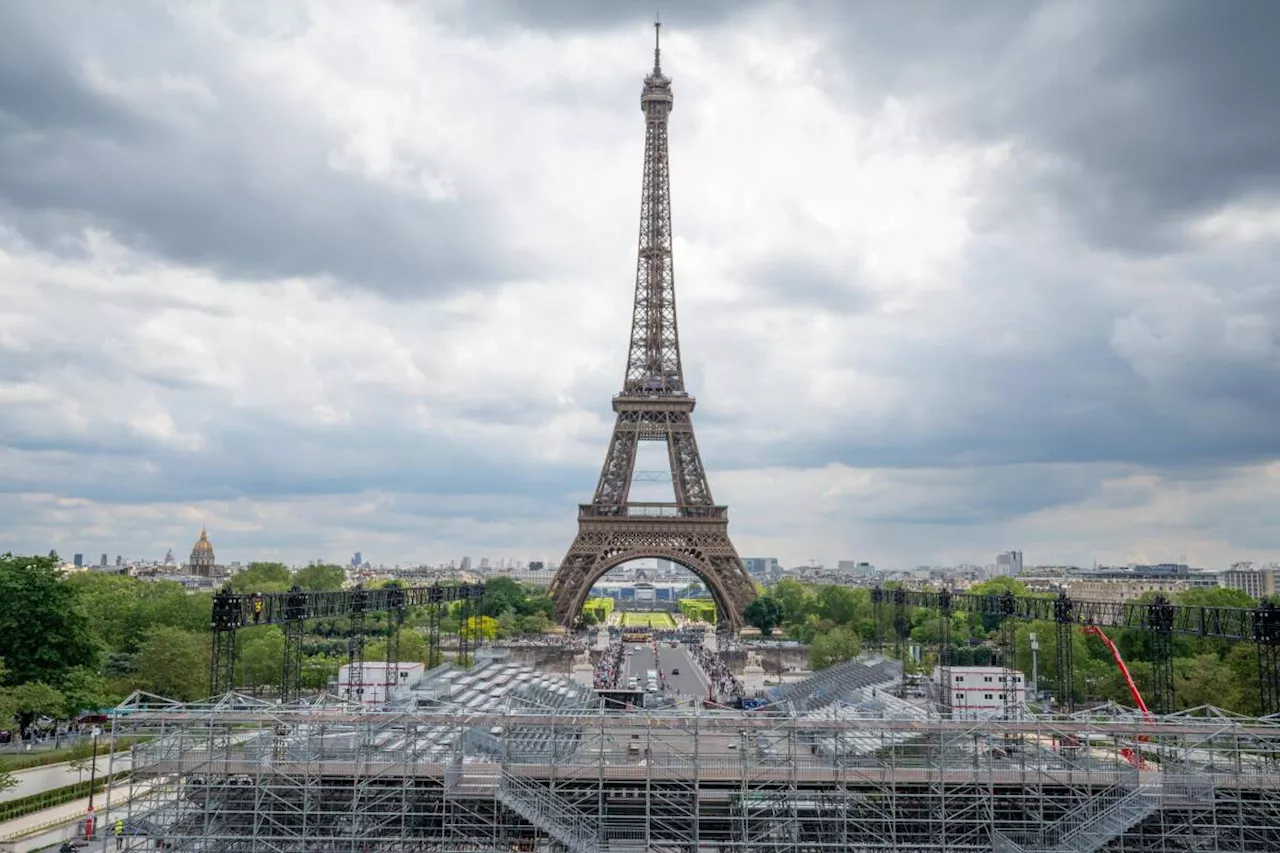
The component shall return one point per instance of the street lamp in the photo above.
(93, 775)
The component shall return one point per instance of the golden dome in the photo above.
(204, 545)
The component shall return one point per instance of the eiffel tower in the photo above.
(693, 530)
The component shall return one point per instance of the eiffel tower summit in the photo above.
(692, 530)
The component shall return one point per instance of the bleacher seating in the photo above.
(511, 689)
(843, 682)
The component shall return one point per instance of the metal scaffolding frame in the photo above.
(238, 774)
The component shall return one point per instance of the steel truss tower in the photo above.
(692, 531)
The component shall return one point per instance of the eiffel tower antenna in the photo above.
(657, 48)
(692, 530)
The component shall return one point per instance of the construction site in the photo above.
(500, 757)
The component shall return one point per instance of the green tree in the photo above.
(263, 577)
(483, 627)
(835, 646)
(537, 623)
(7, 781)
(36, 699)
(43, 629)
(321, 578)
(413, 647)
(500, 595)
(262, 657)
(796, 599)
(173, 663)
(121, 610)
(83, 690)
(838, 603)
(765, 613)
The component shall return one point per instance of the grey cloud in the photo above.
(242, 186)
(801, 281)
(1152, 113)
(586, 15)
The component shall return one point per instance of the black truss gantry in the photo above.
(1162, 619)
(233, 611)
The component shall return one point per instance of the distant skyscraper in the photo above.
(168, 557)
(79, 561)
(357, 560)
(1009, 563)
(762, 568)
(119, 560)
(466, 564)
(104, 560)
(484, 562)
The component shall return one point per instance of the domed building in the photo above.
(203, 564)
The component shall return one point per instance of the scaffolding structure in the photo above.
(239, 774)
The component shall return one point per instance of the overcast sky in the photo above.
(952, 277)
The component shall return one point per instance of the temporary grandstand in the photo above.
(501, 757)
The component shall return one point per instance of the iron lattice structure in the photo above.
(654, 406)
(1159, 618)
(238, 774)
(233, 612)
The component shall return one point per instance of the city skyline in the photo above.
(330, 279)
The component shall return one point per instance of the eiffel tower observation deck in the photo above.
(654, 405)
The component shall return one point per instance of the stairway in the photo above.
(1102, 819)
(533, 801)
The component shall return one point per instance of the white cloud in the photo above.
(901, 354)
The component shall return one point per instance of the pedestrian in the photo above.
(119, 827)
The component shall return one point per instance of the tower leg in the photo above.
(1266, 630)
(464, 633)
(946, 689)
(900, 628)
(395, 618)
(291, 677)
(1160, 623)
(222, 658)
(1064, 624)
(222, 664)
(434, 656)
(355, 648)
(877, 612)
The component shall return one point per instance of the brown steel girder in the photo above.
(701, 546)
(654, 406)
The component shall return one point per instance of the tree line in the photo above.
(838, 622)
(86, 640)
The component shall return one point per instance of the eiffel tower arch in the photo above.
(691, 530)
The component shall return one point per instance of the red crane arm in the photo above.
(1124, 670)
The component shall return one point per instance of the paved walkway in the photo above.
(40, 779)
(54, 825)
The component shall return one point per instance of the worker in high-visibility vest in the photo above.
(119, 827)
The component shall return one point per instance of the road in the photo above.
(689, 683)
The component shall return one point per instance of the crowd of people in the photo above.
(611, 666)
(725, 686)
(574, 642)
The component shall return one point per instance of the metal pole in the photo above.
(1035, 667)
(93, 768)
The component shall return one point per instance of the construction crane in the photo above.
(1128, 754)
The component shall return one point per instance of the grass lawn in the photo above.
(659, 621)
